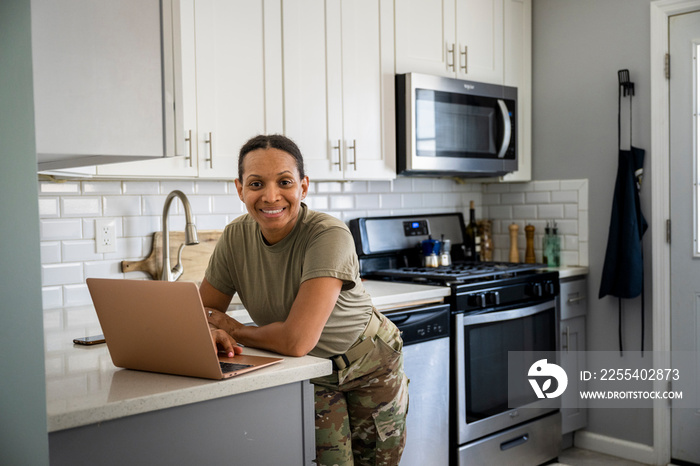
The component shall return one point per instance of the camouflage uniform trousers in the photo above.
(361, 410)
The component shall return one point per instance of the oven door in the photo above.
(482, 345)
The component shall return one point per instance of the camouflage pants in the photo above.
(361, 410)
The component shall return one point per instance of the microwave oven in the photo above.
(454, 127)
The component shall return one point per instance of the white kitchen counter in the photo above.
(569, 271)
(84, 387)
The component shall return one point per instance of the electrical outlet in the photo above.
(105, 235)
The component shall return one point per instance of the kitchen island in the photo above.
(98, 412)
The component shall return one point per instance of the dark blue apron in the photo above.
(623, 269)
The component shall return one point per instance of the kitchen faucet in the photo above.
(190, 237)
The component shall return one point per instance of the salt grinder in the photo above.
(514, 256)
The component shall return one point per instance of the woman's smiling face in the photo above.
(272, 190)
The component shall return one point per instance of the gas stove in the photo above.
(462, 272)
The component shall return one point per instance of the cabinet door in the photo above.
(425, 37)
(518, 73)
(573, 360)
(100, 76)
(230, 54)
(186, 106)
(368, 90)
(313, 83)
(338, 82)
(479, 46)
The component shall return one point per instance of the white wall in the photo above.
(578, 48)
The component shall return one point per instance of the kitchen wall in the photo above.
(578, 48)
(68, 211)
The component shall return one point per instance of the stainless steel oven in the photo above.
(485, 424)
(496, 308)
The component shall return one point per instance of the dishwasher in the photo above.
(425, 331)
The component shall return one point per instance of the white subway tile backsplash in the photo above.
(342, 202)
(48, 207)
(119, 206)
(141, 187)
(68, 212)
(80, 206)
(550, 211)
(79, 251)
(538, 197)
(58, 229)
(186, 186)
(61, 274)
(50, 252)
(67, 187)
(102, 187)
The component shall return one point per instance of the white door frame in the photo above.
(660, 210)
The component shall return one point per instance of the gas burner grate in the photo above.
(459, 272)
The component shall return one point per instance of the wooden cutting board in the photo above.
(194, 258)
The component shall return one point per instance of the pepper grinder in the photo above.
(530, 244)
(514, 256)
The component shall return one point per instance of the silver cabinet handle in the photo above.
(506, 128)
(189, 144)
(566, 334)
(464, 67)
(211, 151)
(575, 299)
(354, 154)
(340, 168)
(451, 50)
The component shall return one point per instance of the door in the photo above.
(684, 43)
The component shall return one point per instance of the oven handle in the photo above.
(506, 128)
(498, 316)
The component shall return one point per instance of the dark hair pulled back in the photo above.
(271, 141)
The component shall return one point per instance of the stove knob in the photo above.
(494, 298)
(536, 290)
(550, 288)
(477, 300)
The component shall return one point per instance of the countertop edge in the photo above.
(188, 390)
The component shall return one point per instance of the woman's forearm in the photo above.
(275, 337)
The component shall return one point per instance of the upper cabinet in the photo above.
(231, 74)
(518, 73)
(457, 39)
(339, 86)
(103, 81)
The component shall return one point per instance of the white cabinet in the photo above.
(573, 306)
(232, 87)
(339, 86)
(453, 38)
(518, 73)
(103, 81)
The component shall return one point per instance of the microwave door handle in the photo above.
(506, 128)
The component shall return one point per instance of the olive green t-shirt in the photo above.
(267, 277)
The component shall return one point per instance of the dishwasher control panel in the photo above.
(422, 323)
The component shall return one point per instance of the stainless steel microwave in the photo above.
(454, 127)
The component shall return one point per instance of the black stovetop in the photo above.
(462, 272)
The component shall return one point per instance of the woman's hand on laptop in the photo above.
(225, 343)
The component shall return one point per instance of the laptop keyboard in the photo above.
(231, 367)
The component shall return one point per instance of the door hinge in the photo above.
(667, 66)
(668, 231)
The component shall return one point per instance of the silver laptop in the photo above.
(161, 326)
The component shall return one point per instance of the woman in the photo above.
(297, 274)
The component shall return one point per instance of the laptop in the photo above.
(160, 326)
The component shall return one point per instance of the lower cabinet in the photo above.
(270, 426)
(573, 304)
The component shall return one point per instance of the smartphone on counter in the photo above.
(93, 340)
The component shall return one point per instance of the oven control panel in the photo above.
(506, 292)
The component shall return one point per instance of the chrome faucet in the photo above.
(190, 237)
